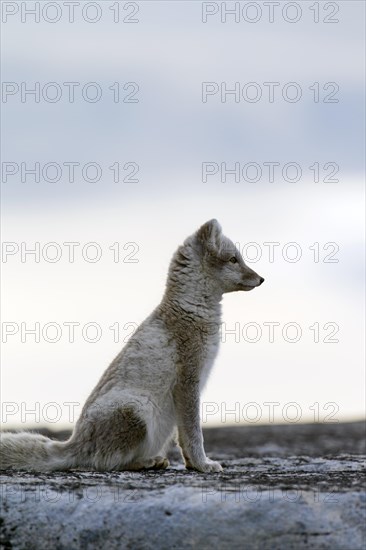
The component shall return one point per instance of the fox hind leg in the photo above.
(107, 438)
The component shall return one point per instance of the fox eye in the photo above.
(233, 260)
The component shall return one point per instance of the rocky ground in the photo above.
(283, 487)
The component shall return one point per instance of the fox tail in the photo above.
(28, 451)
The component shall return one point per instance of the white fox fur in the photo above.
(153, 386)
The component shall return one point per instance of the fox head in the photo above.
(221, 261)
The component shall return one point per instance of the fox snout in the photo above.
(251, 279)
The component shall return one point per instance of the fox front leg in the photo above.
(187, 402)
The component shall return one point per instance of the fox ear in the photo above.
(210, 235)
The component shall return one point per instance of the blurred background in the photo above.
(294, 346)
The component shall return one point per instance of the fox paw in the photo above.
(207, 466)
(160, 463)
(156, 463)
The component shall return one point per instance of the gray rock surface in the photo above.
(283, 487)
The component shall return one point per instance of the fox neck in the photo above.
(190, 290)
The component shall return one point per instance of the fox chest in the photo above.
(196, 350)
(210, 352)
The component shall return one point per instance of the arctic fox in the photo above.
(152, 388)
